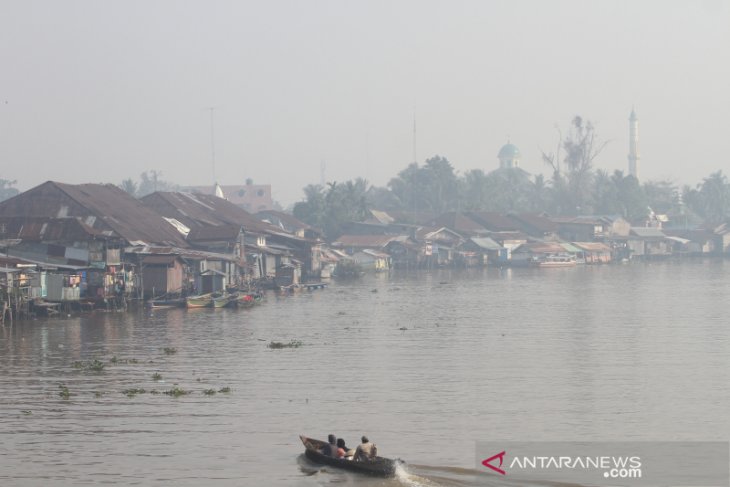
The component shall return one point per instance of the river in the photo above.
(424, 363)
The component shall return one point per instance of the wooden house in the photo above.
(162, 274)
(594, 252)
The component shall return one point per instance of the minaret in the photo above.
(634, 144)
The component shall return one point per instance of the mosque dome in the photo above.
(509, 151)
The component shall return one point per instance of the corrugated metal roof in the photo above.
(592, 246)
(535, 221)
(366, 241)
(382, 217)
(196, 210)
(288, 222)
(45, 229)
(111, 207)
(375, 253)
(160, 259)
(570, 247)
(680, 240)
(493, 221)
(223, 232)
(647, 232)
(459, 223)
(486, 243)
(540, 248)
(185, 253)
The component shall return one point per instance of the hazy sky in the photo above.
(98, 91)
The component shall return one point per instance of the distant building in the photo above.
(634, 144)
(509, 156)
(251, 197)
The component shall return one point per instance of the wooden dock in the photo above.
(314, 285)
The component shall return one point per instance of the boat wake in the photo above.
(412, 475)
(405, 477)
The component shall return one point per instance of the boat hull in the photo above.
(166, 303)
(202, 301)
(378, 467)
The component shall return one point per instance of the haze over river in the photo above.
(623, 352)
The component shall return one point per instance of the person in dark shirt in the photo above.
(330, 449)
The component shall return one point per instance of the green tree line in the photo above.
(575, 188)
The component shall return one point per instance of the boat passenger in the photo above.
(330, 449)
(365, 451)
(343, 451)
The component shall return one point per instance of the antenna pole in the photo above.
(212, 142)
(415, 159)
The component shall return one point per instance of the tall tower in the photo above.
(634, 144)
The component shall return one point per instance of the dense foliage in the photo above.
(149, 182)
(7, 189)
(575, 188)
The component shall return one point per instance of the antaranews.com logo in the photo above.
(596, 463)
(612, 467)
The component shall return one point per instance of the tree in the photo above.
(7, 190)
(129, 186)
(334, 206)
(572, 181)
(312, 210)
(474, 190)
(431, 187)
(631, 197)
(715, 197)
(149, 182)
(382, 198)
(661, 196)
(605, 194)
(508, 190)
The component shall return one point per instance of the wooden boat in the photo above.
(379, 466)
(221, 301)
(557, 260)
(166, 303)
(200, 301)
(245, 300)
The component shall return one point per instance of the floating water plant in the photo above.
(169, 350)
(133, 392)
(64, 392)
(26, 411)
(156, 376)
(95, 365)
(291, 344)
(224, 390)
(176, 392)
(114, 360)
(209, 392)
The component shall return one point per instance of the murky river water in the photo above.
(424, 363)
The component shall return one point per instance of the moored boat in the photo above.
(221, 301)
(246, 300)
(166, 303)
(378, 466)
(556, 260)
(200, 301)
